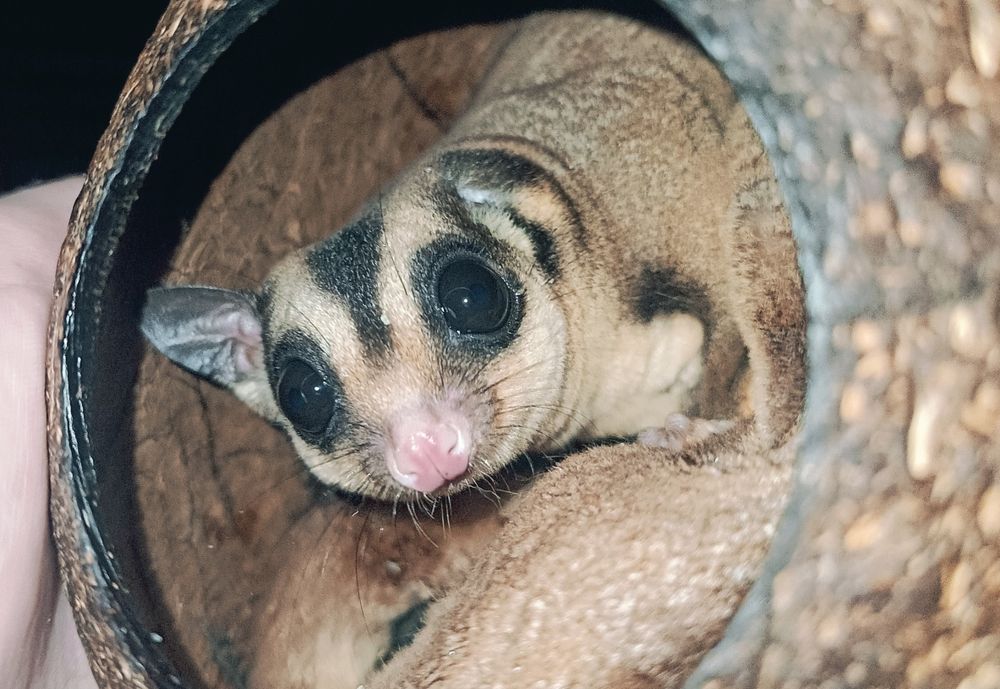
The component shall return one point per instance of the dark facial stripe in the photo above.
(542, 244)
(347, 266)
(660, 290)
(295, 344)
(265, 307)
(455, 213)
(493, 168)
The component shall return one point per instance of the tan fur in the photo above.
(219, 491)
(576, 590)
(657, 367)
(653, 146)
(327, 620)
(587, 110)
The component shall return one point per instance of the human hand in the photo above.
(39, 645)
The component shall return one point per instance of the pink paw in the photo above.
(680, 431)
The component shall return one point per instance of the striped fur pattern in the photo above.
(606, 172)
(599, 179)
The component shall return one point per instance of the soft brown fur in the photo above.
(892, 577)
(579, 93)
(610, 344)
(657, 189)
(327, 621)
(226, 514)
(579, 589)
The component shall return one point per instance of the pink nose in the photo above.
(428, 448)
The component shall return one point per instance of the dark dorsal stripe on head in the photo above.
(659, 290)
(450, 206)
(493, 168)
(483, 242)
(453, 212)
(347, 266)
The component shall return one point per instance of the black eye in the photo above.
(305, 397)
(474, 298)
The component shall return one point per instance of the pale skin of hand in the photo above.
(39, 645)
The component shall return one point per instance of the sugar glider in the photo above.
(550, 271)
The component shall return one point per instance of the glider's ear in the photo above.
(214, 333)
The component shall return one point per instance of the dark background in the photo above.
(62, 66)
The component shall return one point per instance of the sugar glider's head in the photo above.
(416, 350)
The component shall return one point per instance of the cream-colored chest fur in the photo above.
(649, 371)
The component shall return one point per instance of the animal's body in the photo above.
(546, 273)
(570, 261)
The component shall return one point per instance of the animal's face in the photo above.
(418, 349)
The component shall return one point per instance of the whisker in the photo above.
(416, 523)
(357, 571)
